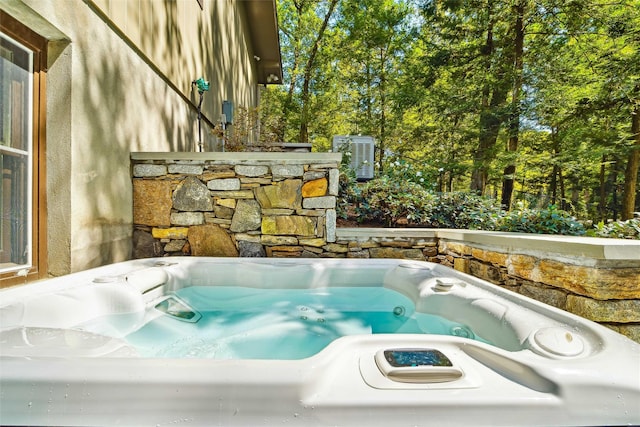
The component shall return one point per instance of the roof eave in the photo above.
(262, 19)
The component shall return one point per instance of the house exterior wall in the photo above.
(119, 79)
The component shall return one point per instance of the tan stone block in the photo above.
(249, 186)
(259, 181)
(269, 240)
(175, 246)
(209, 175)
(234, 194)
(336, 247)
(396, 244)
(311, 212)
(415, 254)
(492, 257)
(616, 311)
(461, 264)
(227, 203)
(253, 238)
(225, 223)
(286, 248)
(597, 283)
(152, 202)
(270, 212)
(316, 243)
(211, 240)
(280, 254)
(358, 254)
(288, 225)
(170, 233)
(478, 269)
(315, 188)
(285, 194)
(524, 266)
(313, 249)
(455, 247)
(430, 251)
(545, 294)
(369, 245)
(284, 251)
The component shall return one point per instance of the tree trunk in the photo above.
(631, 171)
(556, 169)
(295, 42)
(493, 97)
(563, 198)
(612, 187)
(514, 118)
(602, 203)
(383, 101)
(308, 71)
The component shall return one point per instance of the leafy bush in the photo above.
(400, 170)
(465, 210)
(390, 202)
(542, 221)
(394, 200)
(629, 229)
(348, 190)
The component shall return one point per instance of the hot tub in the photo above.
(209, 341)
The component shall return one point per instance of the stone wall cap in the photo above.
(591, 247)
(257, 157)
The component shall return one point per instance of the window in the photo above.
(22, 111)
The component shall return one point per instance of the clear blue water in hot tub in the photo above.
(250, 323)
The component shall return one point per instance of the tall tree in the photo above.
(492, 115)
(379, 33)
(514, 114)
(309, 70)
(303, 24)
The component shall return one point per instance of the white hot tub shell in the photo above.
(545, 367)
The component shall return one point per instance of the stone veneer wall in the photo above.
(283, 205)
(234, 204)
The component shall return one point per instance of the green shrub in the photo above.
(348, 191)
(395, 200)
(465, 210)
(400, 170)
(541, 221)
(629, 229)
(389, 202)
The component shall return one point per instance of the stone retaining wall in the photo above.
(283, 205)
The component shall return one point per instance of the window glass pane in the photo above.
(16, 82)
(15, 88)
(14, 231)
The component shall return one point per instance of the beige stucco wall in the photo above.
(119, 80)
